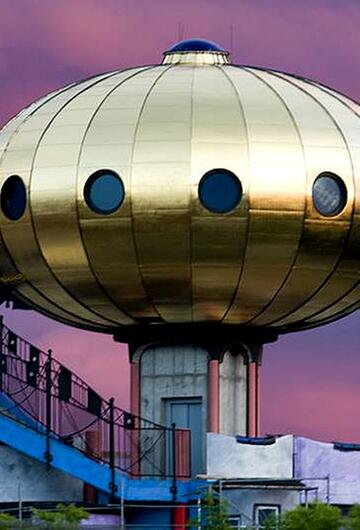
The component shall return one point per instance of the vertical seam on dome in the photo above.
(319, 103)
(328, 320)
(39, 292)
(191, 263)
(297, 129)
(242, 112)
(335, 95)
(131, 76)
(147, 95)
(105, 319)
(42, 101)
(79, 324)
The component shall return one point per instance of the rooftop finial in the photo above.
(198, 51)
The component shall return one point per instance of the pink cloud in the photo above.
(101, 362)
(310, 383)
(96, 358)
(323, 411)
(93, 35)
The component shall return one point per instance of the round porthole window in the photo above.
(13, 198)
(329, 194)
(104, 192)
(220, 191)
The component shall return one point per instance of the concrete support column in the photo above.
(214, 396)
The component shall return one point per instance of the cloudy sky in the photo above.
(311, 380)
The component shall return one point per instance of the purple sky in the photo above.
(311, 380)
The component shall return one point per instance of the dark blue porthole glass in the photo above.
(13, 198)
(196, 45)
(329, 194)
(220, 191)
(104, 192)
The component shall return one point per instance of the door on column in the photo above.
(187, 414)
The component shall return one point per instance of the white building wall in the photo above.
(21, 474)
(243, 502)
(226, 458)
(335, 474)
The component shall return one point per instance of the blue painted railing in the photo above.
(75, 463)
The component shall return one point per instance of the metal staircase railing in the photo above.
(58, 403)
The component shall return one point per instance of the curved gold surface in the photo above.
(273, 261)
(276, 202)
(110, 241)
(20, 237)
(25, 289)
(312, 264)
(219, 139)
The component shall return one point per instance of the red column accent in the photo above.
(214, 395)
(135, 410)
(179, 518)
(135, 388)
(93, 443)
(254, 400)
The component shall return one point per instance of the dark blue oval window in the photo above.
(13, 198)
(104, 192)
(220, 191)
(329, 194)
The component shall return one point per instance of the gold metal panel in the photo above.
(341, 289)
(276, 196)
(345, 305)
(12, 126)
(165, 280)
(273, 261)
(322, 238)
(161, 232)
(172, 180)
(109, 240)
(19, 237)
(219, 140)
(272, 241)
(25, 255)
(26, 290)
(65, 135)
(68, 259)
(311, 268)
(42, 304)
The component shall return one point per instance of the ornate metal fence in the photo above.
(37, 389)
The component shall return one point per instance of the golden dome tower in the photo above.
(194, 195)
